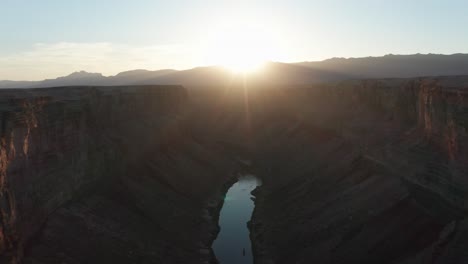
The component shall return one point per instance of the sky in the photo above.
(49, 38)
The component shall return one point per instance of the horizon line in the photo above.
(214, 65)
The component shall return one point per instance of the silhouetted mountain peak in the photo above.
(83, 74)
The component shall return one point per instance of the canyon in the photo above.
(355, 171)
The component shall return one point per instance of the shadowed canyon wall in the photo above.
(114, 171)
(370, 171)
(365, 172)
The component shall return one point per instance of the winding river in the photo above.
(232, 246)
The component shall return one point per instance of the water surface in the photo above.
(232, 246)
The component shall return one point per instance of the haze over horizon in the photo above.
(270, 73)
(115, 36)
(169, 69)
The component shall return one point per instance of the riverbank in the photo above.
(214, 207)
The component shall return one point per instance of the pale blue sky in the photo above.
(47, 38)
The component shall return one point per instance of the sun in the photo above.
(241, 48)
(242, 65)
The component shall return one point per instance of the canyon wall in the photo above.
(365, 171)
(369, 171)
(113, 170)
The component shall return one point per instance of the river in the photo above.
(232, 246)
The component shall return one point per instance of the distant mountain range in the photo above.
(396, 66)
(336, 69)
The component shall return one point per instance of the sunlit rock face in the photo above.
(370, 171)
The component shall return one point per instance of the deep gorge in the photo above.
(364, 171)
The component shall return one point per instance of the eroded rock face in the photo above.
(115, 172)
(367, 171)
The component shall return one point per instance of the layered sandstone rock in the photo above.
(366, 172)
(113, 170)
(369, 171)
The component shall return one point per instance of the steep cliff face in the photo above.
(369, 171)
(116, 164)
(365, 172)
(47, 143)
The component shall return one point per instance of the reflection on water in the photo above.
(233, 243)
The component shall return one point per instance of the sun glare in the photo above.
(239, 48)
(243, 66)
